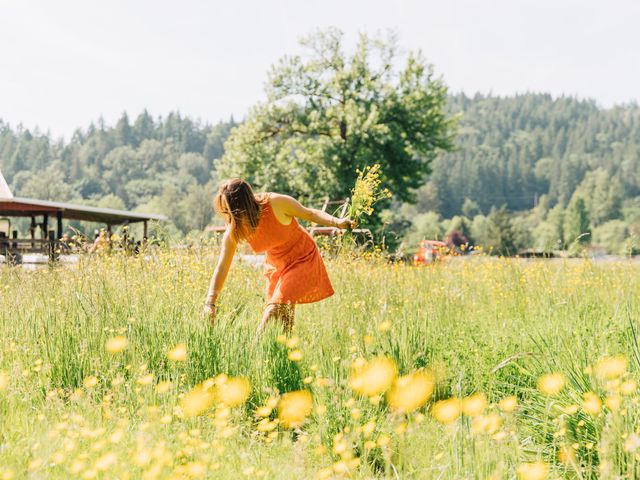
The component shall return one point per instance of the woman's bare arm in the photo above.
(222, 268)
(292, 208)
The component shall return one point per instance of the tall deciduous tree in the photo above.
(577, 228)
(329, 113)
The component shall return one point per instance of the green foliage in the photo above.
(614, 236)
(329, 113)
(161, 166)
(501, 236)
(486, 325)
(577, 229)
(512, 150)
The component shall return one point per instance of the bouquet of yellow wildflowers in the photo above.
(366, 192)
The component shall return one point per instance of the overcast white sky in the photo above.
(64, 63)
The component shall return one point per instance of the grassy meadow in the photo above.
(476, 369)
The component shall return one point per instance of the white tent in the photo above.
(5, 191)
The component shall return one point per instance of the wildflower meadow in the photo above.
(472, 368)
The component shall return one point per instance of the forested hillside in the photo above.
(566, 170)
(160, 165)
(521, 152)
(513, 150)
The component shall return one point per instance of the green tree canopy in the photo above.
(329, 113)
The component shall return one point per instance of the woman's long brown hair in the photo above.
(239, 206)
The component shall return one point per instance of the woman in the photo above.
(293, 266)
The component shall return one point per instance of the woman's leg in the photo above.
(283, 313)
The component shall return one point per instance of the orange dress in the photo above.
(293, 266)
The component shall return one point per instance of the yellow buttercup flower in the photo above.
(486, 424)
(533, 471)
(611, 367)
(592, 403)
(90, 382)
(613, 402)
(508, 404)
(294, 408)
(295, 355)
(628, 387)
(446, 411)
(374, 377)
(197, 401)
(474, 405)
(116, 344)
(145, 379)
(233, 391)
(178, 353)
(4, 380)
(412, 391)
(552, 383)
(163, 387)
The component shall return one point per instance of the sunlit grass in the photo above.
(480, 368)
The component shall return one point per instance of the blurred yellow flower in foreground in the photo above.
(295, 355)
(197, 401)
(592, 403)
(145, 379)
(567, 455)
(4, 380)
(613, 402)
(178, 353)
(410, 392)
(374, 377)
(487, 424)
(116, 344)
(233, 391)
(446, 411)
(533, 471)
(611, 367)
(508, 404)
(294, 408)
(163, 387)
(474, 405)
(628, 387)
(551, 384)
(90, 382)
(384, 326)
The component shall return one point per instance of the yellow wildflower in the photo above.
(116, 344)
(294, 408)
(412, 391)
(551, 384)
(373, 378)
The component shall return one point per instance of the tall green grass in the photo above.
(484, 324)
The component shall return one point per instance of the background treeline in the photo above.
(162, 165)
(528, 171)
(567, 170)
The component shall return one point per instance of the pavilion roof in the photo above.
(27, 207)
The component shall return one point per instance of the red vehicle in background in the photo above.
(429, 251)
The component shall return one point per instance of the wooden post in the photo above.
(52, 245)
(15, 236)
(109, 237)
(59, 218)
(145, 231)
(45, 226)
(32, 232)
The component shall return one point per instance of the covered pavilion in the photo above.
(48, 212)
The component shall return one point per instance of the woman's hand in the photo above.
(345, 223)
(210, 311)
